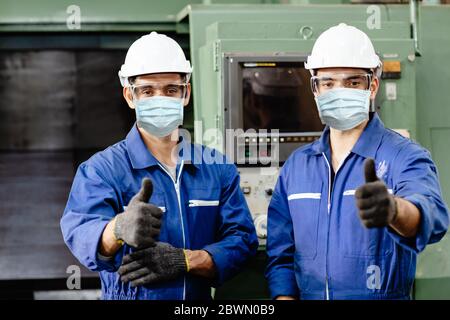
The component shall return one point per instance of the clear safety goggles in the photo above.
(147, 90)
(341, 80)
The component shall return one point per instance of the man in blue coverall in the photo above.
(351, 211)
(149, 213)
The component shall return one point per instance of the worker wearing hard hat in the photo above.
(154, 221)
(351, 211)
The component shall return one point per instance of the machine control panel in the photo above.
(257, 185)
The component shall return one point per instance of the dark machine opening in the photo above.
(58, 107)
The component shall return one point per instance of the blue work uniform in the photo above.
(317, 246)
(204, 208)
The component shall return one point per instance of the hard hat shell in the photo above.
(153, 53)
(343, 46)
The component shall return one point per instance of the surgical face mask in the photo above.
(159, 115)
(343, 108)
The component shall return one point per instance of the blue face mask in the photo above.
(343, 108)
(159, 115)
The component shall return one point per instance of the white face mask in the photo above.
(343, 108)
(159, 115)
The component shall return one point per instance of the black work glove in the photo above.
(152, 265)
(377, 207)
(141, 222)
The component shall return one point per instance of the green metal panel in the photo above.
(98, 15)
(278, 29)
(99, 11)
(433, 114)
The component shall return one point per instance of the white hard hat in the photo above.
(153, 53)
(343, 46)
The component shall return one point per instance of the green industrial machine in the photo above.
(230, 44)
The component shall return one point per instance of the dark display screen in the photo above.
(278, 96)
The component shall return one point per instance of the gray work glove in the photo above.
(377, 207)
(140, 224)
(156, 264)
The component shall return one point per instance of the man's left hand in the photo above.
(377, 207)
(156, 264)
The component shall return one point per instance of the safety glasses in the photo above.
(147, 90)
(340, 80)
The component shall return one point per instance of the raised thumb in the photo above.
(145, 192)
(369, 170)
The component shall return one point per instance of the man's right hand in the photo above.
(140, 224)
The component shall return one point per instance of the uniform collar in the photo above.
(370, 139)
(367, 144)
(322, 145)
(141, 157)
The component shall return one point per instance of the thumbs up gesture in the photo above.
(140, 224)
(376, 207)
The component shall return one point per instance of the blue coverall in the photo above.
(204, 208)
(317, 246)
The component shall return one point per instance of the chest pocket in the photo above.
(304, 206)
(361, 241)
(203, 211)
